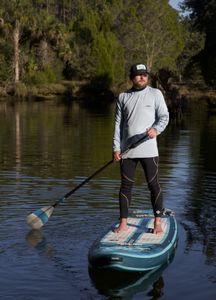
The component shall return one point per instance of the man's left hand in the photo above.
(152, 132)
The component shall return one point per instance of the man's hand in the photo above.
(152, 132)
(117, 155)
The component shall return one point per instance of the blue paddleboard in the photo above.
(136, 249)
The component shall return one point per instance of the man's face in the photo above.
(140, 81)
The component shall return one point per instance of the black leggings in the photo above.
(150, 167)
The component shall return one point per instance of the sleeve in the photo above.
(162, 114)
(117, 129)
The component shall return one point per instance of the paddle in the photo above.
(38, 218)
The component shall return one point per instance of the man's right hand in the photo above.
(117, 155)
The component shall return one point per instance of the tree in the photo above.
(187, 62)
(45, 34)
(90, 38)
(15, 15)
(150, 32)
(96, 51)
(203, 19)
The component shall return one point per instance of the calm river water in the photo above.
(46, 149)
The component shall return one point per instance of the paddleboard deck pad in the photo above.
(136, 249)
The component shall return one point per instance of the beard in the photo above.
(140, 84)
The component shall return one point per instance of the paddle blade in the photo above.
(38, 218)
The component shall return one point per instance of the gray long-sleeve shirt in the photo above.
(136, 111)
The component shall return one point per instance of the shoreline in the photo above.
(76, 89)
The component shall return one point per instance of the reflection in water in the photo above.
(48, 148)
(36, 240)
(200, 212)
(157, 291)
(125, 285)
(18, 143)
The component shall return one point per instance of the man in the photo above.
(140, 110)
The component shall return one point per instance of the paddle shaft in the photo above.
(98, 171)
(83, 182)
(37, 219)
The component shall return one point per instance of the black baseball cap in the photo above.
(138, 69)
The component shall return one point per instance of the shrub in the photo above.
(21, 90)
(42, 77)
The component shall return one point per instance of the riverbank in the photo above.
(40, 92)
(80, 89)
(65, 89)
(194, 90)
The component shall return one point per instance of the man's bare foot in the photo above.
(122, 226)
(157, 226)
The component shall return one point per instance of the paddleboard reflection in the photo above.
(124, 285)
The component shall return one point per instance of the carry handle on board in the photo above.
(38, 218)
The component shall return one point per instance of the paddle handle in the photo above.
(133, 145)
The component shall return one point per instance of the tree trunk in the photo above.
(47, 6)
(16, 37)
(43, 54)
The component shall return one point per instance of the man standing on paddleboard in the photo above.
(139, 111)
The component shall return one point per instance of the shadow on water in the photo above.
(125, 285)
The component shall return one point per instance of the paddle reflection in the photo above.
(36, 240)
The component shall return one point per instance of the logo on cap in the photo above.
(141, 67)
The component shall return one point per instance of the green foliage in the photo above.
(97, 51)
(187, 62)
(98, 85)
(21, 90)
(108, 57)
(202, 13)
(151, 32)
(48, 75)
(203, 18)
(6, 55)
(88, 39)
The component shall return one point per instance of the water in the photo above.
(46, 149)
